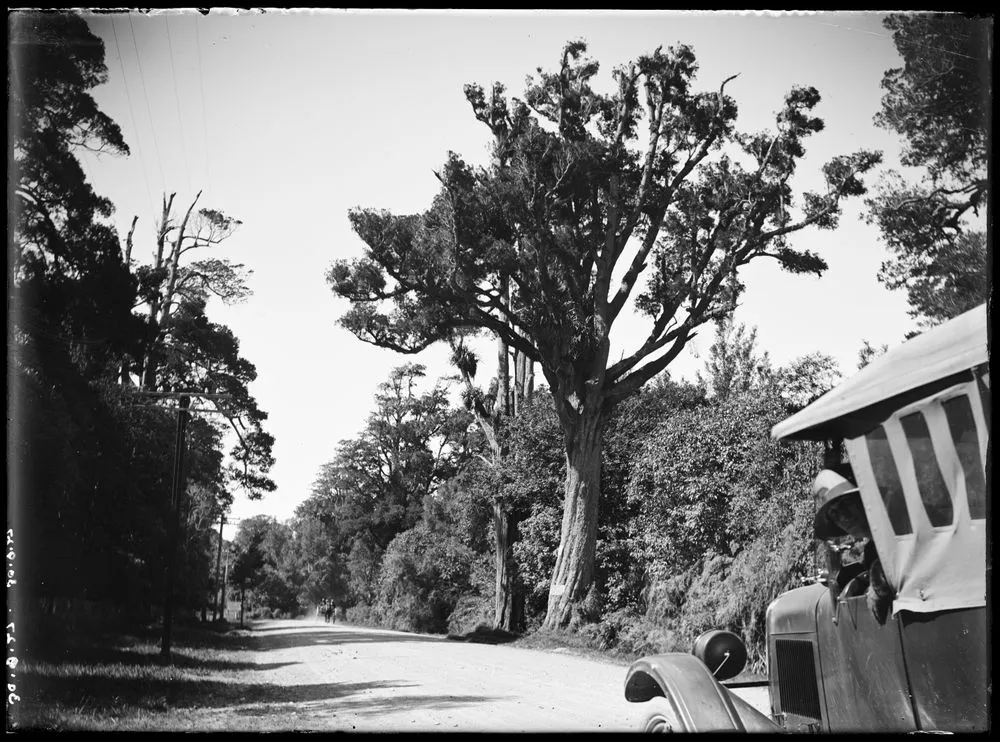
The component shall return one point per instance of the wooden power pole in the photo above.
(218, 573)
(178, 486)
(175, 523)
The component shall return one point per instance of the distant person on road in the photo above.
(840, 513)
(327, 609)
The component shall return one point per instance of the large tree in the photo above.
(182, 349)
(69, 290)
(575, 207)
(168, 283)
(940, 103)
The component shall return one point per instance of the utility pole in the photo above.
(178, 486)
(225, 579)
(218, 572)
(175, 522)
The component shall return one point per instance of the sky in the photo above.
(288, 119)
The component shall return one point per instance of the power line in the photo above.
(149, 110)
(887, 36)
(135, 126)
(204, 110)
(177, 99)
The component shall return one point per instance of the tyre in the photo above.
(661, 718)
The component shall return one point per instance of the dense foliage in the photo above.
(97, 342)
(939, 102)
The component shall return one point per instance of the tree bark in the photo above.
(508, 608)
(574, 568)
(501, 547)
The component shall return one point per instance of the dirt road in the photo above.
(315, 676)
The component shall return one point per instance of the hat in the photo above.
(828, 486)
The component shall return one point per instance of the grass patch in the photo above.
(111, 680)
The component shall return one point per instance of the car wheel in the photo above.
(662, 718)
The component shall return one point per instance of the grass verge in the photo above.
(119, 681)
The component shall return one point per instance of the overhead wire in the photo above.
(887, 36)
(177, 99)
(204, 109)
(135, 127)
(149, 110)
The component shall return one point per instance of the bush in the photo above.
(471, 612)
(633, 635)
(722, 517)
(423, 575)
(361, 615)
(535, 556)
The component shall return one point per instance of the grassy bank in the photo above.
(100, 680)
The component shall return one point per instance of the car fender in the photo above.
(699, 702)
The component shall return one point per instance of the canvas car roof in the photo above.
(917, 367)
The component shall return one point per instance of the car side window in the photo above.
(983, 383)
(962, 425)
(933, 491)
(887, 479)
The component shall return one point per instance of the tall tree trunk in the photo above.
(501, 549)
(147, 365)
(574, 567)
(508, 602)
(126, 363)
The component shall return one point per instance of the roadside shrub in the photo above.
(471, 612)
(722, 516)
(632, 635)
(408, 612)
(423, 575)
(535, 555)
(360, 615)
(761, 573)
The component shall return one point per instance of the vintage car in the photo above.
(915, 424)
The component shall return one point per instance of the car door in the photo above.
(861, 662)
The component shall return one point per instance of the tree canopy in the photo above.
(939, 101)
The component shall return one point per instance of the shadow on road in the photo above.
(265, 639)
(485, 635)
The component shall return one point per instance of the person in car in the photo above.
(840, 513)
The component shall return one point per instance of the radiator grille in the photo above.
(797, 677)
